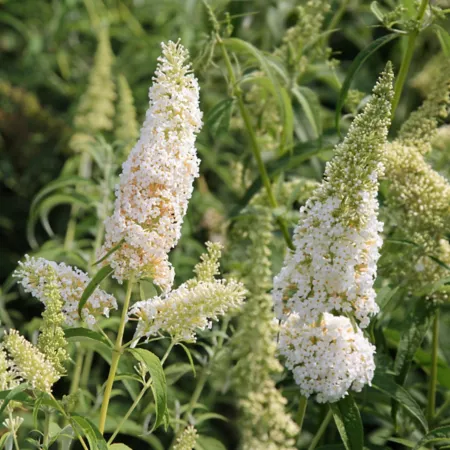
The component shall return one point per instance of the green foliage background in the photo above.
(47, 50)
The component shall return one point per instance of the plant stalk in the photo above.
(303, 403)
(46, 429)
(63, 412)
(254, 143)
(145, 388)
(407, 58)
(14, 434)
(84, 170)
(115, 358)
(321, 431)
(431, 406)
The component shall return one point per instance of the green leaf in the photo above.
(348, 422)
(357, 63)
(113, 249)
(218, 119)
(103, 273)
(288, 124)
(301, 153)
(147, 289)
(385, 295)
(209, 416)
(208, 443)
(93, 435)
(159, 385)
(386, 384)
(444, 39)
(43, 209)
(418, 322)
(438, 435)
(311, 106)
(191, 361)
(375, 8)
(85, 335)
(119, 447)
(12, 394)
(404, 442)
(240, 46)
(59, 183)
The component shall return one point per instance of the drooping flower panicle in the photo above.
(337, 238)
(29, 363)
(34, 275)
(327, 358)
(157, 178)
(192, 306)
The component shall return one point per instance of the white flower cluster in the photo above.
(33, 275)
(187, 440)
(194, 305)
(187, 309)
(29, 363)
(334, 264)
(8, 378)
(157, 178)
(328, 357)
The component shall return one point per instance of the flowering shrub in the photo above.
(263, 264)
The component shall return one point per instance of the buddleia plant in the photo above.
(324, 294)
(418, 196)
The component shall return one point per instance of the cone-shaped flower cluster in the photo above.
(96, 108)
(333, 266)
(34, 275)
(264, 421)
(418, 196)
(52, 342)
(194, 305)
(302, 43)
(157, 178)
(127, 128)
(29, 363)
(337, 238)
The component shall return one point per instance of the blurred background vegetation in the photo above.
(47, 51)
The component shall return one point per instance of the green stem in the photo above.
(84, 170)
(63, 412)
(337, 16)
(145, 388)
(87, 368)
(431, 407)
(203, 379)
(406, 62)
(321, 431)
(13, 430)
(46, 429)
(115, 358)
(303, 403)
(75, 384)
(105, 200)
(254, 143)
